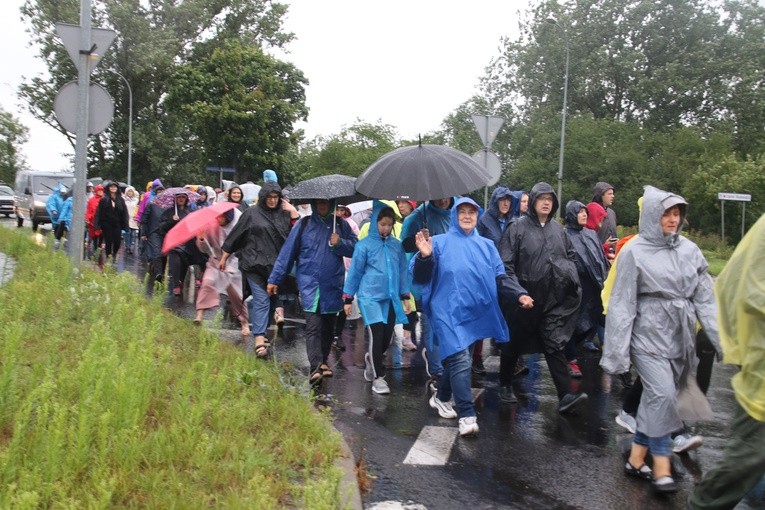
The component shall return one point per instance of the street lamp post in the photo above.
(130, 130)
(563, 119)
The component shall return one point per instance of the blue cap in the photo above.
(269, 176)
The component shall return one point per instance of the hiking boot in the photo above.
(369, 368)
(574, 370)
(445, 409)
(686, 442)
(627, 421)
(520, 368)
(569, 402)
(380, 387)
(506, 395)
(478, 367)
(468, 426)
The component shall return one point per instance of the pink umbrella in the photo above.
(194, 223)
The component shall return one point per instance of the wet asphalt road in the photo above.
(526, 456)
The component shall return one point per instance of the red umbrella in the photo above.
(194, 223)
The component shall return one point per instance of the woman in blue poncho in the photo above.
(459, 274)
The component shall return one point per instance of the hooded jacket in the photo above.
(55, 202)
(608, 228)
(148, 197)
(378, 274)
(320, 271)
(259, 235)
(543, 260)
(661, 289)
(132, 206)
(489, 225)
(458, 283)
(739, 290)
(591, 266)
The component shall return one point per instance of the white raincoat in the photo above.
(661, 289)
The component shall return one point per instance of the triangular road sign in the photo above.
(101, 38)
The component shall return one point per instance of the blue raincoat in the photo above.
(54, 204)
(319, 267)
(378, 274)
(458, 283)
(490, 226)
(66, 213)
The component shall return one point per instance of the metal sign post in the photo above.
(487, 128)
(733, 197)
(221, 170)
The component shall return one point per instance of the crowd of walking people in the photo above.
(511, 274)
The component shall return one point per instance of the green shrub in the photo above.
(109, 401)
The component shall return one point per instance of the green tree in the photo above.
(154, 38)
(13, 134)
(239, 105)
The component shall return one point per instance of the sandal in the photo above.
(262, 346)
(315, 377)
(642, 472)
(325, 370)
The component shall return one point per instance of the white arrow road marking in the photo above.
(433, 446)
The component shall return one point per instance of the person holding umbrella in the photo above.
(180, 258)
(257, 238)
(318, 244)
(218, 281)
(460, 275)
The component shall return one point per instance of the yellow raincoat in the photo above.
(740, 292)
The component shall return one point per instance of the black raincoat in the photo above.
(543, 259)
(259, 235)
(591, 265)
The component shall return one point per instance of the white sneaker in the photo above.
(686, 442)
(627, 421)
(445, 409)
(468, 426)
(380, 387)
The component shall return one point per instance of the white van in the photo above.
(31, 191)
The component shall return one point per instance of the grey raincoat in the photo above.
(662, 287)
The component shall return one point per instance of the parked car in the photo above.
(6, 200)
(31, 191)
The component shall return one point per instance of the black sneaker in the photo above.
(569, 402)
(506, 395)
(478, 367)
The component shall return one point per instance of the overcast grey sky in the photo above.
(407, 63)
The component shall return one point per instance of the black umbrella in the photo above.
(326, 187)
(422, 172)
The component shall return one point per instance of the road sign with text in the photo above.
(735, 197)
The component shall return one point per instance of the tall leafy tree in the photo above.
(239, 105)
(153, 39)
(13, 134)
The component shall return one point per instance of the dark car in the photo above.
(6, 200)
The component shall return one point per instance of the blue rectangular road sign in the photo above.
(220, 169)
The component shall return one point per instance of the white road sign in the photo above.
(735, 197)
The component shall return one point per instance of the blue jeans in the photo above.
(657, 445)
(431, 345)
(456, 380)
(260, 306)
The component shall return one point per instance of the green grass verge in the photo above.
(109, 401)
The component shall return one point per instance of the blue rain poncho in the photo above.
(378, 274)
(458, 283)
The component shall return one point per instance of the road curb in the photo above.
(350, 495)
